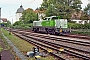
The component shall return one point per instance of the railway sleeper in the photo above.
(79, 56)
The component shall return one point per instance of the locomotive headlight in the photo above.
(60, 30)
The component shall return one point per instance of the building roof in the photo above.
(4, 19)
(39, 11)
(20, 10)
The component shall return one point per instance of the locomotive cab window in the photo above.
(45, 19)
(54, 18)
(48, 19)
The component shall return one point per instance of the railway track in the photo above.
(55, 46)
(58, 46)
(78, 36)
(38, 44)
(84, 43)
(66, 35)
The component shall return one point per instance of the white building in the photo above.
(80, 21)
(19, 13)
(40, 14)
(3, 20)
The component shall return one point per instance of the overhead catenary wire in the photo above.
(28, 3)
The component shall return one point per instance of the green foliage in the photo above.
(17, 23)
(85, 14)
(79, 26)
(73, 25)
(23, 46)
(78, 32)
(23, 26)
(50, 11)
(28, 16)
(87, 8)
(60, 7)
(87, 26)
(7, 24)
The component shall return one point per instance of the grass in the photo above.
(83, 33)
(22, 45)
(4, 41)
(0, 48)
(0, 43)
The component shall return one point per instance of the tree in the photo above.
(87, 9)
(17, 23)
(28, 16)
(7, 24)
(60, 7)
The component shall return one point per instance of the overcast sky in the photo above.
(9, 7)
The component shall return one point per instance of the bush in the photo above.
(22, 26)
(78, 26)
(74, 25)
(78, 32)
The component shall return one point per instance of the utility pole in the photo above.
(0, 21)
(12, 21)
(0, 17)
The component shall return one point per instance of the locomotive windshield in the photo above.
(53, 18)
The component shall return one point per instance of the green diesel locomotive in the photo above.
(51, 25)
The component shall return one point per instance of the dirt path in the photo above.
(15, 49)
(6, 54)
